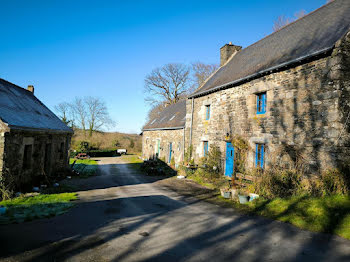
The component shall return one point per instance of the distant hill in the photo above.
(108, 140)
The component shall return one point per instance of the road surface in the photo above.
(125, 216)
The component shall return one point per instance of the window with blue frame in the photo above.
(259, 155)
(207, 112)
(261, 103)
(205, 148)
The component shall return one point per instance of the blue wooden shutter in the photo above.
(207, 112)
(256, 155)
(205, 148)
(263, 107)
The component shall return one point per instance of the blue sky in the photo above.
(101, 48)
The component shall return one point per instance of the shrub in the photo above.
(96, 153)
(156, 167)
(241, 146)
(278, 183)
(172, 162)
(312, 186)
(188, 155)
(211, 164)
(335, 182)
(5, 192)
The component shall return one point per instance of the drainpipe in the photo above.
(183, 147)
(191, 121)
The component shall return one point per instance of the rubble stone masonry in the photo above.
(165, 137)
(49, 154)
(306, 111)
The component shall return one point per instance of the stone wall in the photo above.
(48, 156)
(165, 137)
(307, 107)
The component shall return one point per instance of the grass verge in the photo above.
(85, 167)
(34, 206)
(327, 214)
(133, 161)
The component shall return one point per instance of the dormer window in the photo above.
(261, 103)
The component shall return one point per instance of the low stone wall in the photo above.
(47, 155)
(165, 137)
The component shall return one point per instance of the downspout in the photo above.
(183, 146)
(142, 154)
(191, 121)
(190, 144)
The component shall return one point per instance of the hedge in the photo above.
(96, 153)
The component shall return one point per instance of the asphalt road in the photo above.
(125, 216)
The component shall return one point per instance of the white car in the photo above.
(121, 151)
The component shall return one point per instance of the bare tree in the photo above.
(167, 84)
(97, 114)
(201, 72)
(172, 82)
(282, 20)
(155, 110)
(90, 113)
(80, 112)
(64, 112)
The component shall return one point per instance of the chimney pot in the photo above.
(31, 88)
(227, 51)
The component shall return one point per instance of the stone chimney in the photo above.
(227, 51)
(30, 88)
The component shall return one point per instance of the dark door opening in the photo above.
(47, 159)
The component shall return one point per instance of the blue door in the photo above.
(230, 156)
(170, 149)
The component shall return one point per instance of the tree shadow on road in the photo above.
(204, 233)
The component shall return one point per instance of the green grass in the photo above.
(32, 207)
(327, 214)
(85, 167)
(133, 161)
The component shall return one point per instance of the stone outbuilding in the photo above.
(287, 96)
(34, 142)
(163, 136)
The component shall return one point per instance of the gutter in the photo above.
(243, 79)
(164, 128)
(20, 128)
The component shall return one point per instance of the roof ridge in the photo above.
(291, 23)
(14, 85)
(311, 35)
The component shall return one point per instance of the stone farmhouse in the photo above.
(34, 142)
(164, 136)
(287, 96)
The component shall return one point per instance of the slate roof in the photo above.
(172, 117)
(20, 109)
(313, 34)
